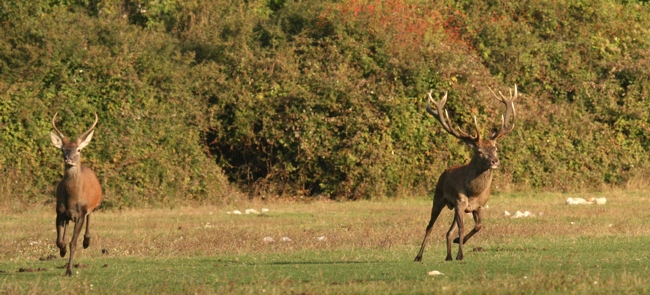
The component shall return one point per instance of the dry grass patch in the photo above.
(323, 225)
(333, 246)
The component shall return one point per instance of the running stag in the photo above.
(466, 188)
(78, 193)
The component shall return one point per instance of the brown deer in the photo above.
(78, 193)
(466, 188)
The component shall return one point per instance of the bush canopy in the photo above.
(200, 100)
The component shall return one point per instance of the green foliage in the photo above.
(319, 105)
(583, 66)
(320, 97)
(147, 148)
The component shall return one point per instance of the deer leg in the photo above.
(451, 229)
(477, 225)
(78, 225)
(438, 205)
(87, 234)
(461, 229)
(61, 225)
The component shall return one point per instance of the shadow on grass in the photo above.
(220, 261)
(522, 249)
(321, 262)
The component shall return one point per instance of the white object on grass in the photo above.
(251, 211)
(577, 201)
(520, 214)
(581, 201)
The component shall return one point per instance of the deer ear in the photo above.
(471, 143)
(56, 140)
(83, 142)
(494, 135)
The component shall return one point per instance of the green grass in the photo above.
(369, 249)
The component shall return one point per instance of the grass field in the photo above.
(339, 247)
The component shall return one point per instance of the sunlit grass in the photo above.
(339, 247)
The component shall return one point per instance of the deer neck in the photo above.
(72, 184)
(72, 173)
(478, 179)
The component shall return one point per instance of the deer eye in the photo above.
(78, 150)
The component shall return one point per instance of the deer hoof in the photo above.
(418, 258)
(459, 257)
(86, 242)
(448, 258)
(62, 251)
(68, 272)
(456, 240)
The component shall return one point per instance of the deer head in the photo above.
(71, 149)
(485, 150)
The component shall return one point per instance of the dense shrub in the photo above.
(147, 148)
(319, 97)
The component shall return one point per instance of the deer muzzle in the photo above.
(69, 161)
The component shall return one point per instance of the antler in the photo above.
(54, 125)
(446, 122)
(510, 111)
(83, 135)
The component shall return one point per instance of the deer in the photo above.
(78, 193)
(466, 188)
